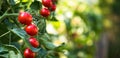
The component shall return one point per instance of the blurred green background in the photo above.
(89, 28)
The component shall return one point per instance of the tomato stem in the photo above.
(9, 38)
(4, 34)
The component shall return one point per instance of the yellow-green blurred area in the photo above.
(89, 28)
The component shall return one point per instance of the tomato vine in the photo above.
(25, 29)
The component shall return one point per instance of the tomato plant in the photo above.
(24, 29)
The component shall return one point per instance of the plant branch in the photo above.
(7, 15)
(4, 34)
(9, 38)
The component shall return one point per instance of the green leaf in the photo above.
(49, 45)
(12, 2)
(41, 23)
(41, 54)
(9, 51)
(22, 34)
(9, 23)
(12, 54)
(52, 16)
(5, 55)
(36, 5)
(46, 41)
(54, 19)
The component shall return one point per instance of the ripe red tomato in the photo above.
(45, 12)
(53, 7)
(47, 3)
(24, 18)
(31, 29)
(33, 42)
(29, 53)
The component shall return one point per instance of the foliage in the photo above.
(82, 24)
(13, 38)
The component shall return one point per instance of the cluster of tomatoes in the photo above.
(48, 6)
(31, 29)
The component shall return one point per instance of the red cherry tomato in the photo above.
(53, 7)
(31, 29)
(33, 42)
(29, 53)
(24, 18)
(45, 12)
(47, 3)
